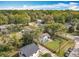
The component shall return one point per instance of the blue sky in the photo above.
(36, 5)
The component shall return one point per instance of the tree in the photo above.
(48, 19)
(11, 19)
(27, 37)
(54, 28)
(69, 17)
(60, 17)
(77, 27)
(16, 39)
(71, 29)
(3, 19)
(36, 33)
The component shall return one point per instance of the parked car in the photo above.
(70, 49)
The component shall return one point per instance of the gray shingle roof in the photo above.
(29, 50)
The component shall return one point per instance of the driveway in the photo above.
(75, 52)
(44, 50)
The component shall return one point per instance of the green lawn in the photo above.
(53, 44)
(56, 46)
(46, 55)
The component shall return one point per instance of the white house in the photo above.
(31, 50)
(44, 37)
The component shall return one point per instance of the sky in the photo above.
(40, 5)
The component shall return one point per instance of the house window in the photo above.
(24, 55)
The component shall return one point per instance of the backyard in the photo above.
(60, 46)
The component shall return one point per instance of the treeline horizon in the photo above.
(26, 16)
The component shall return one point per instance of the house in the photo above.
(3, 29)
(44, 37)
(26, 29)
(31, 50)
(32, 24)
(39, 22)
(68, 25)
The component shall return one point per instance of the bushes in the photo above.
(5, 48)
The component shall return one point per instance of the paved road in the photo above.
(75, 52)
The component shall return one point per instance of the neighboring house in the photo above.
(31, 50)
(26, 30)
(31, 23)
(44, 37)
(3, 29)
(39, 22)
(68, 25)
(71, 25)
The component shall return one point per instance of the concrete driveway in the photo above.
(44, 50)
(75, 52)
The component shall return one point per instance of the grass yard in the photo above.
(60, 48)
(53, 44)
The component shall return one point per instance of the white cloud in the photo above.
(73, 6)
(53, 6)
(58, 6)
(73, 3)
